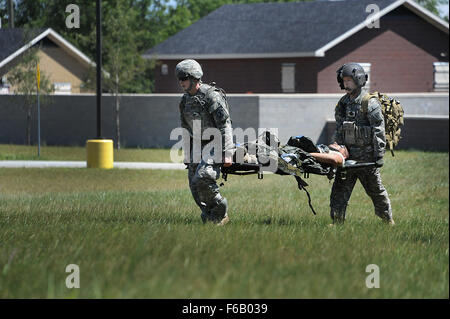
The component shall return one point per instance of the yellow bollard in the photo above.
(99, 154)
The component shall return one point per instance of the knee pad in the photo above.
(219, 211)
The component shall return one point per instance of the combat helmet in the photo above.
(353, 70)
(188, 68)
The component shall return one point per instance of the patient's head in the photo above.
(339, 148)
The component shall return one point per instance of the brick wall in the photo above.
(401, 52)
(244, 75)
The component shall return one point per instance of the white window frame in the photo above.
(164, 69)
(4, 85)
(288, 77)
(62, 88)
(440, 76)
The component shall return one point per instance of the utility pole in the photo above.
(99, 69)
(11, 13)
(100, 153)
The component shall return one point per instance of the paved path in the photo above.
(130, 165)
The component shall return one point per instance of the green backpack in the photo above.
(393, 117)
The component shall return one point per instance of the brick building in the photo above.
(297, 47)
(62, 63)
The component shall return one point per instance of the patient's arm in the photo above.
(333, 158)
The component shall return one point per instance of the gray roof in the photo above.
(268, 28)
(12, 40)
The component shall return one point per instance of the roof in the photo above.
(12, 40)
(294, 29)
(15, 41)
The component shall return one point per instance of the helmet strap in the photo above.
(355, 92)
(192, 83)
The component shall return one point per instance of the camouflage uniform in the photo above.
(210, 108)
(363, 134)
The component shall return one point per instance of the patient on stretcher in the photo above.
(336, 155)
(299, 155)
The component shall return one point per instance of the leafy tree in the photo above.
(122, 59)
(433, 6)
(23, 82)
(153, 21)
(124, 68)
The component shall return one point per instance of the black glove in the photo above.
(379, 162)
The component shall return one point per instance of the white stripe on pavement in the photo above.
(82, 164)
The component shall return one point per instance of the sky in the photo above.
(443, 9)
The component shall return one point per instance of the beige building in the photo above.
(64, 65)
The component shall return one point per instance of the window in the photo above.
(366, 67)
(164, 69)
(62, 88)
(288, 77)
(440, 70)
(4, 86)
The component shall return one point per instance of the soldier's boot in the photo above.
(389, 221)
(219, 212)
(338, 217)
(337, 221)
(205, 216)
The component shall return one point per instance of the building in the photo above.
(297, 47)
(63, 64)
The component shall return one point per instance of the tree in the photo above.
(148, 17)
(122, 59)
(152, 22)
(124, 68)
(23, 81)
(433, 6)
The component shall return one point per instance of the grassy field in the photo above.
(138, 234)
(77, 153)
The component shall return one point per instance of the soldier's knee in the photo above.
(219, 210)
(378, 194)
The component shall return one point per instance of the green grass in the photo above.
(138, 234)
(77, 153)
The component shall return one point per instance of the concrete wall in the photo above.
(147, 120)
(297, 114)
(427, 133)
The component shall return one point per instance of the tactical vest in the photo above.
(198, 107)
(356, 129)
